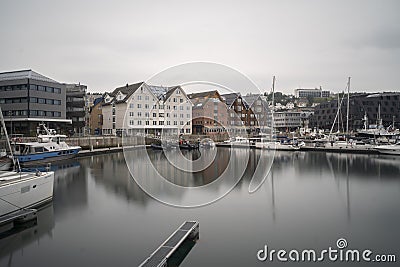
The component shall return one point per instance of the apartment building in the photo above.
(210, 114)
(96, 117)
(237, 112)
(77, 109)
(137, 108)
(258, 114)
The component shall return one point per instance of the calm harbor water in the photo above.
(101, 217)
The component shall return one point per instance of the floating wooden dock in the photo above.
(189, 230)
(16, 219)
(21, 216)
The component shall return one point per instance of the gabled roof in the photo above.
(230, 98)
(207, 94)
(127, 90)
(200, 102)
(251, 98)
(24, 74)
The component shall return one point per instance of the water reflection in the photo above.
(111, 173)
(15, 243)
(70, 187)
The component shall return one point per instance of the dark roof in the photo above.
(24, 74)
(127, 90)
(203, 94)
(97, 100)
(230, 98)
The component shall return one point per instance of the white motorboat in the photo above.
(50, 147)
(389, 149)
(275, 145)
(238, 142)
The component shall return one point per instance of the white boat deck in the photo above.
(7, 177)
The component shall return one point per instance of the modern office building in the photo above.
(373, 105)
(28, 98)
(77, 109)
(316, 92)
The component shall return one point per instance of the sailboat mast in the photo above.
(273, 93)
(273, 108)
(338, 108)
(348, 106)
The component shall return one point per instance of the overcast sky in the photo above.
(105, 44)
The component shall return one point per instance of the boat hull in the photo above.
(25, 190)
(390, 150)
(47, 157)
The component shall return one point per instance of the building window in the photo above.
(139, 105)
(154, 115)
(154, 122)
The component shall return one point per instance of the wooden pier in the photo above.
(163, 256)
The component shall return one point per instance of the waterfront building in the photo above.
(28, 98)
(133, 108)
(386, 105)
(258, 113)
(77, 109)
(210, 114)
(91, 97)
(96, 117)
(316, 92)
(291, 120)
(238, 114)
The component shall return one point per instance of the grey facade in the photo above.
(28, 98)
(385, 104)
(76, 108)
